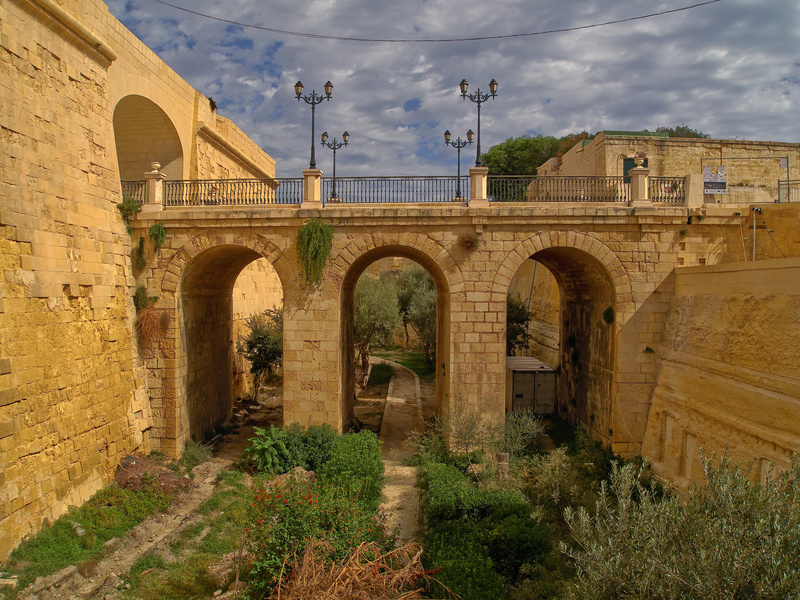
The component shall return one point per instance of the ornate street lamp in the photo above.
(313, 100)
(458, 145)
(478, 98)
(334, 145)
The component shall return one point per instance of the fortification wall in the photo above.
(728, 376)
(74, 398)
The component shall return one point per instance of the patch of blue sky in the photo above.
(268, 66)
(238, 42)
(412, 105)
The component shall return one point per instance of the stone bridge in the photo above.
(603, 256)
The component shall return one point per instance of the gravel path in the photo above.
(402, 414)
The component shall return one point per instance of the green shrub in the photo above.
(730, 539)
(194, 454)
(272, 452)
(158, 235)
(319, 442)
(522, 428)
(283, 520)
(314, 242)
(463, 567)
(380, 374)
(356, 464)
(127, 209)
(450, 496)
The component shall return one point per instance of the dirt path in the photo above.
(100, 579)
(403, 414)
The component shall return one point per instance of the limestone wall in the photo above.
(729, 369)
(74, 397)
(538, 289)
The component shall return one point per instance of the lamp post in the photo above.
(334, 145)
(478, 98)
(458, 145)
(313, 100)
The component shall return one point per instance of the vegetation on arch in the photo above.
(314, 243)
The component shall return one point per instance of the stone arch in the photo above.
(447, 277)
(143, 133)
(195, 387)
(591, 278)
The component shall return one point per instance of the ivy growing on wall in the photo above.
(314, 241)
(158, 234)
(127, 208)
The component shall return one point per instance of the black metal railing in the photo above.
(135, 190)
(233, 192)
(410, 189)
(358, 190)
(509, 188)
(789, 191)
(666, 189)
(559, 189)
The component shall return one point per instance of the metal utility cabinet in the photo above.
(530, 385)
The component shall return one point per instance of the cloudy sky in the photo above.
(730, 68)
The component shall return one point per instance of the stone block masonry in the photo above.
(74, 397)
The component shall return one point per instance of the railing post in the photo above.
(478, 197)
(694, 190)
(312, 188)
(639, 189)
(154, 189)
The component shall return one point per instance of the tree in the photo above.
(263, 345)
(520, 156)
(731, 539)
(422, 317)
(410, 281)
(376, 315)
(682, 131)
(517, 318)
(523, 155)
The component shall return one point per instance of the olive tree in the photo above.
(263, 344)
(731, 539)
(376, 315)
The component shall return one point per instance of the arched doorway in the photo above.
(584, 349)
(208, 329)
(144, 133)
(347, 294)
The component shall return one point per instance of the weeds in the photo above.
(194, 454)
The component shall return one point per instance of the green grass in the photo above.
(413, 360)
(80, 535)
(221, 529)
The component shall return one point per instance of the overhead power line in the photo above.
(320, 36)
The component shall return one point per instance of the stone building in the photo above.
(753, 169)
